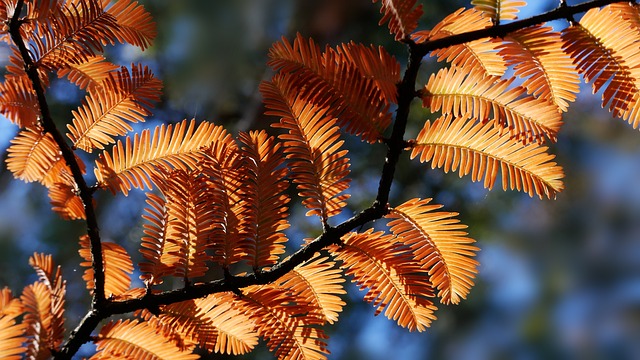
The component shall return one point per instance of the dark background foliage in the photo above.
(558, 279)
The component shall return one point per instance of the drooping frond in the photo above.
(132, 164)
(460, 144)
(394, 280)
(76, 32)
(65, 201)
(318, 284)
(117, 264)
(488, 99)
(132, 339)
(36, 299)
(158, 246)
(135, 24)
(265, 194)
(88, 74)
(318, 165)
(282, 323)
(11, 338)
(190, 210)
(333, 82)
(18, 101)
(480, 55)
(228, 177)
(402, 15)
(44, 267)
(606, 49)
(107, 110)
(32, 155)
(439, 244)
(536, 55)
(9, 305)
(498, 10)
(376, 64)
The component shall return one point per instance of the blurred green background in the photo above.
(558, 279)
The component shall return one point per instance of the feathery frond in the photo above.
(439, 244)
(536, 55)
(483, 151)
(66, 202)
(318, 284)
(265, 195)
(282, 323)
(132, 164)
(107, 110)
(402, 16)
(11, 338)
(18, 101)
(338, 85)
(32, 155)
(394, 279)
(607, 52)
(480, 55)
(135, 24)
(132, 339)
(36, 299)
(88, 74)
(52, 279)
(499, 10)
(318, 165)
(190, 211)
(9, 305)
(488, 99)
(117, 265)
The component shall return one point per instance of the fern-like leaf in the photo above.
(158, 247)
(9, 305)
(265, 195)
(282, 323)
(499, 10)
(536, 55)
(117, 265)
(73, 34)
(11, 338)
(480, 55)
(132, 339)
(65, 201)
(36, 299)
(52, 279)
(132, 164)
(32, 155)
(394, 279)
(190, 212)
(122, 98)
(487, 98)
(440, 245)
(229, 180)
(337, 84)
(460, 144)
(88, 74)
(402, 16)
(604, 48)
(317, 283)
(319, 166)
(212, 323)
(135, 24)
(18, 101)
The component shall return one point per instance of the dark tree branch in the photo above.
(103, 308)
(85, 192)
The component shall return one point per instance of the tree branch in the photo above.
(85, 193)
(396, 145)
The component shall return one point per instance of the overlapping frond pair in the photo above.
(498, 10)
(402, 16)
(352, 83)
(428, 251)
(116, 263)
